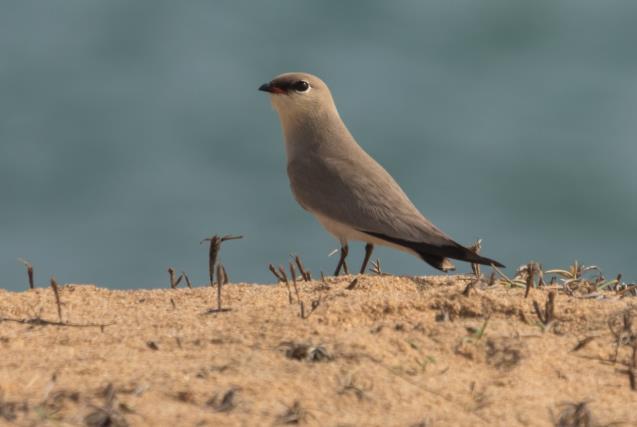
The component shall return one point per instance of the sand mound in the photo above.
(391, 351)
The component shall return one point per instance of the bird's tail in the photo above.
(468, 255)
(443, 264)
(436, 255)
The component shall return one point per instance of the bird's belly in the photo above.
(339, 230)
(344, 233)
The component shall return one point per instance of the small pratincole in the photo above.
(347, 191)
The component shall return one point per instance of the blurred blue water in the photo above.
(129, 131)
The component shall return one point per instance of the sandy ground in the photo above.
(392, 351)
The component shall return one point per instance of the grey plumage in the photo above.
(349, 193)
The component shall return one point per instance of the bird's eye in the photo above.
(301, 86)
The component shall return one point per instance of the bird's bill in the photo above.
(269, 87)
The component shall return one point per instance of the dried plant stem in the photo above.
(375, 268)
(475, 248)
(549, 309)
(302, 309)
(540, 283)
(582, 343)
(467, 290)
(29, 267)
(287, 285)
(296, 288)
(174, 282)
(306, 274)
(504, 276)
(219, 285)
(213, 252)
(185, 276)
(538, 312)
(283, 274)
(56, 292)
(293, 274)
(171, 275)
(530, 273)
(632, 379)
(491, 279)
(276, 273)
(296, 291)
(226, 279)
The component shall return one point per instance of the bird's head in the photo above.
(298, 94)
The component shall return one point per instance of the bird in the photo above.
(350, 194)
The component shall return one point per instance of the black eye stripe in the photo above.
(296, 85)
(293, 85)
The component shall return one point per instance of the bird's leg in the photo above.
(341, 261)
(369, 248)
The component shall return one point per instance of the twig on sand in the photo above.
(174, 282)
(475, 248)
(283, 274)
(491, 281)
(56, 292)
(531, 270)
(548, 315)
(504, 276)
(530, 275)
(276, 273)
(29, 267)
(624, 335)
(302, 309)
(306, 274)
(582, 343)
(632, 369)
(375, 268)
(470, 286)
(294, 414)
(296, 291)
(185, 276)
(293, 274)
(574, 414)
(220, 282)
(287, 285)
(226, 279)
(213, 253)
(352, 284)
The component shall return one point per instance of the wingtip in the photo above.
(475, 258)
